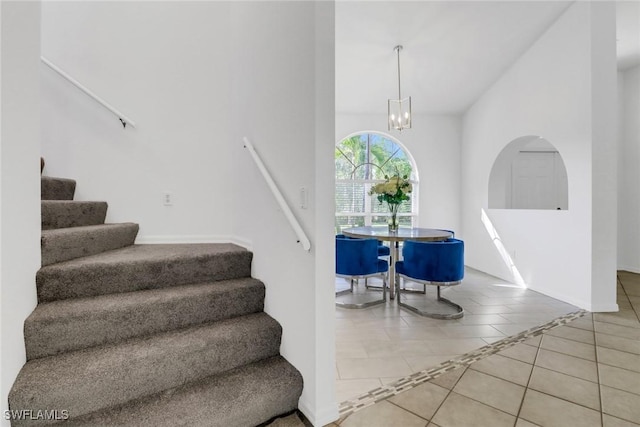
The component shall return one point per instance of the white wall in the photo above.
(628, 171)
(20, 184)
(167, 66)
(547, 92)
(283, 84)
(325, 362)
(434, 142)
(604, 146)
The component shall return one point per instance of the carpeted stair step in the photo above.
(74, 324)
(246, 396)
(63, 244)
(57, 188)
(142, 267)
(95, 379)
(67, 213)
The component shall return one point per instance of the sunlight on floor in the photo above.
(381, 344)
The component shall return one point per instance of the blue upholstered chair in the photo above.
(383, 251)
(358, 258)
(432, 263)
(424, 286)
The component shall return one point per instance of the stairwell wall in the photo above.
(284, 103)
(197, 77)
(166, 66)
(19, 182)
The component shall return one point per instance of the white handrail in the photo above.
(123, 119)
(302, 237)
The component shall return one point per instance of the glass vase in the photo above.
(393, 222)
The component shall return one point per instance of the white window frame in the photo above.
(369, 201)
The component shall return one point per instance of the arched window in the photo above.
(363, 159)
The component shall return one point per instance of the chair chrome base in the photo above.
(459, 310)
(363, 304)
(405, 290)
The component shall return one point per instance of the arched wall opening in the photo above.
(529, 173)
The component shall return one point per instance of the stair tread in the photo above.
(72, 213)
(93, 379)
(53, 188)
(55, 178)
(74, 324)
(160, 253)
(246, 396)
(87, 228)
(71, 202)
(63, 244)
(141, 267)
(127, 300)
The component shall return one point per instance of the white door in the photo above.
(535, 181)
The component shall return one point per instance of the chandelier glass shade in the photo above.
(399, 110)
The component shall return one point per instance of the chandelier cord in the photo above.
(398, 49)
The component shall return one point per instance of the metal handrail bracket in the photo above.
(302, 237)
(123, 119)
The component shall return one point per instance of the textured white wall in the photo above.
(19, 181)
(552, 250)
(604, 146)
(434, 141)
(629, 173)
(287, 112)
(167, 66)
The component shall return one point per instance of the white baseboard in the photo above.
(594, 308)
(322, 416)
(562, 297)
(629, 269)
(195, 238)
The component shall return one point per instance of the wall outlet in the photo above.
(167, 198)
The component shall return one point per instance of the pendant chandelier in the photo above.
(399, 109)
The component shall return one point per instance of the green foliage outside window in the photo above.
(361, 161)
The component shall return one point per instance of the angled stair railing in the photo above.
(302, 237)
(123, 119)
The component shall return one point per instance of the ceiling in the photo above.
(453, 50)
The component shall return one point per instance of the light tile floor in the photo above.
(582, 373)
(381, 344)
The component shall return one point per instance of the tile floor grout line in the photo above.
(595, 341)
(627, 296)
(410, 411)
(526, 388)
(568, 354)
(621, 368)
(616, 335)
(449, 393)
(617, 349)
(362, 401)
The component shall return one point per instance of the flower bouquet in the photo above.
(394, 190)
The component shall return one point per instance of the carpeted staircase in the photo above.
(145, 335)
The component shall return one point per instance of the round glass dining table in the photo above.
(394, 237)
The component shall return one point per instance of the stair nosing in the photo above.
(127, 296)
(80, 228)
